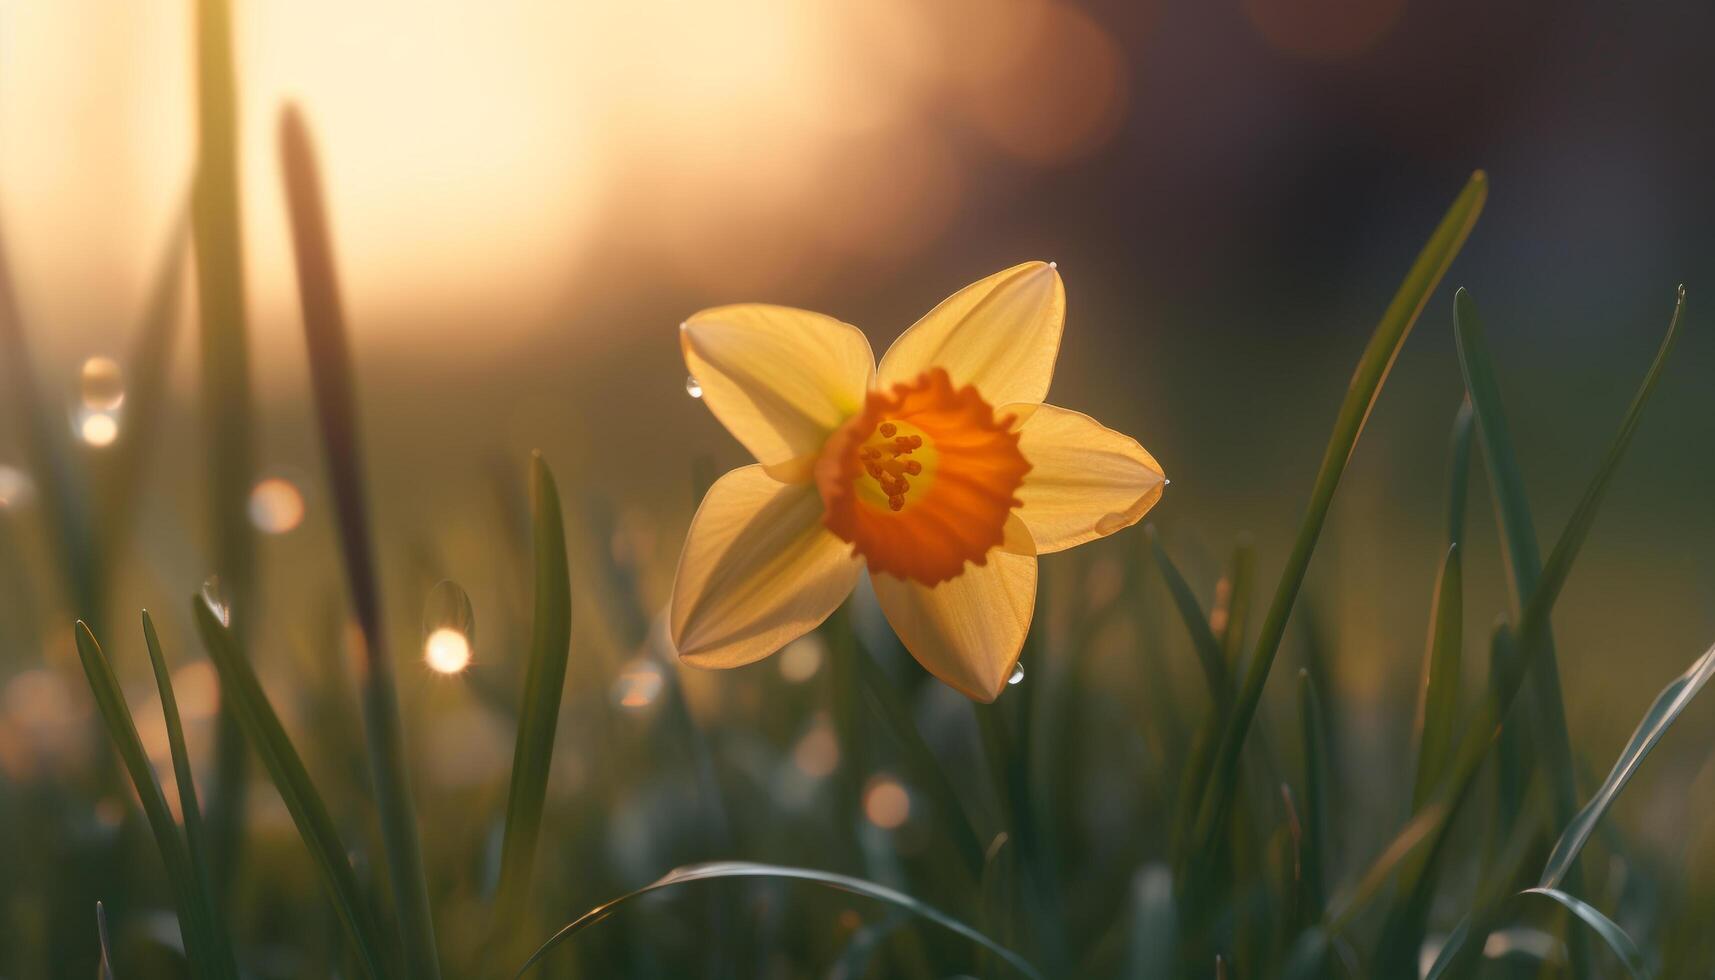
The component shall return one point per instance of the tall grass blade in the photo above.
(1662, 713)
(539, 714)
(1552, 750)
(826, 879)
(196, 842)
(1438, 707)
(334, 384)
(1372, 371)
(226, 401)
(1481, 732)
(207, 955)
(1210, 654)
(243, 692)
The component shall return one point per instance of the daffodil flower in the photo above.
(941, 470)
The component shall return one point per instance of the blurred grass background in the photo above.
(527, 198)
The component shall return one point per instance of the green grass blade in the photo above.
(1439, 711)
(196, 842)
(539, 714)
(201, 947)
(826, 879)
(1313, 852)
(332, 378)
(241, 689)
(1552, 749)
(1621, 944)
(226, 400)
(1662, 713)
(1604, 927)
(1210, 654)
(1481, 732)
(106, 965)
(1372, 371)
(1240, 579)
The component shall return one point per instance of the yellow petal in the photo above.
(758, 571)
(968, 630)
(779, 379)
(1086, 481)
(1001, 334)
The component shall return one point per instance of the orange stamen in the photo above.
(922, 480)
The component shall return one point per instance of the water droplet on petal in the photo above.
(276, 506)
(1017, 674)
(103, 384)
(16, 487)
(693, 387)
(214, 597)
(449, 628)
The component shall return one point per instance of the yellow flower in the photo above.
(941, 470)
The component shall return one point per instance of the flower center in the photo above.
(922, 480)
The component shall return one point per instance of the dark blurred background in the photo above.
(528, 197)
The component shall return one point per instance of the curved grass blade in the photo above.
(202, 948)
(1439, 708)
(1209, 652)
(196, 842)
(335, 388)
(1662, 713)
(826, 879)
(1373, 367)
(240, 687)
(539, 714)
(1482, 730)
(106, 965)
(1621, 944)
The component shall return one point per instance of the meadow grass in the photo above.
(760, 831)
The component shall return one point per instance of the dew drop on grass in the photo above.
(214, 597)
(96, 429)
(276, 506)
(693, 387)
(102, 384)
(1017, 674)
(449, 628)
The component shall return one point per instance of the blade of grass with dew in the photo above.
(195, 908)
(335, 389)
(1662, 713)
(539, 712)
(196, 842)
(1519, 552)
(240, 687)
(1481, 731)
(1373, 367)
(146, 370)
(225, 396)
(826, 879)
(106, 964)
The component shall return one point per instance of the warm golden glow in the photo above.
(447, 651)
(98, 429)
(801, 659)
(276, 506)
(886, 803)
(103, 384)
(817, 754)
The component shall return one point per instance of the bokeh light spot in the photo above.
(447, 651)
